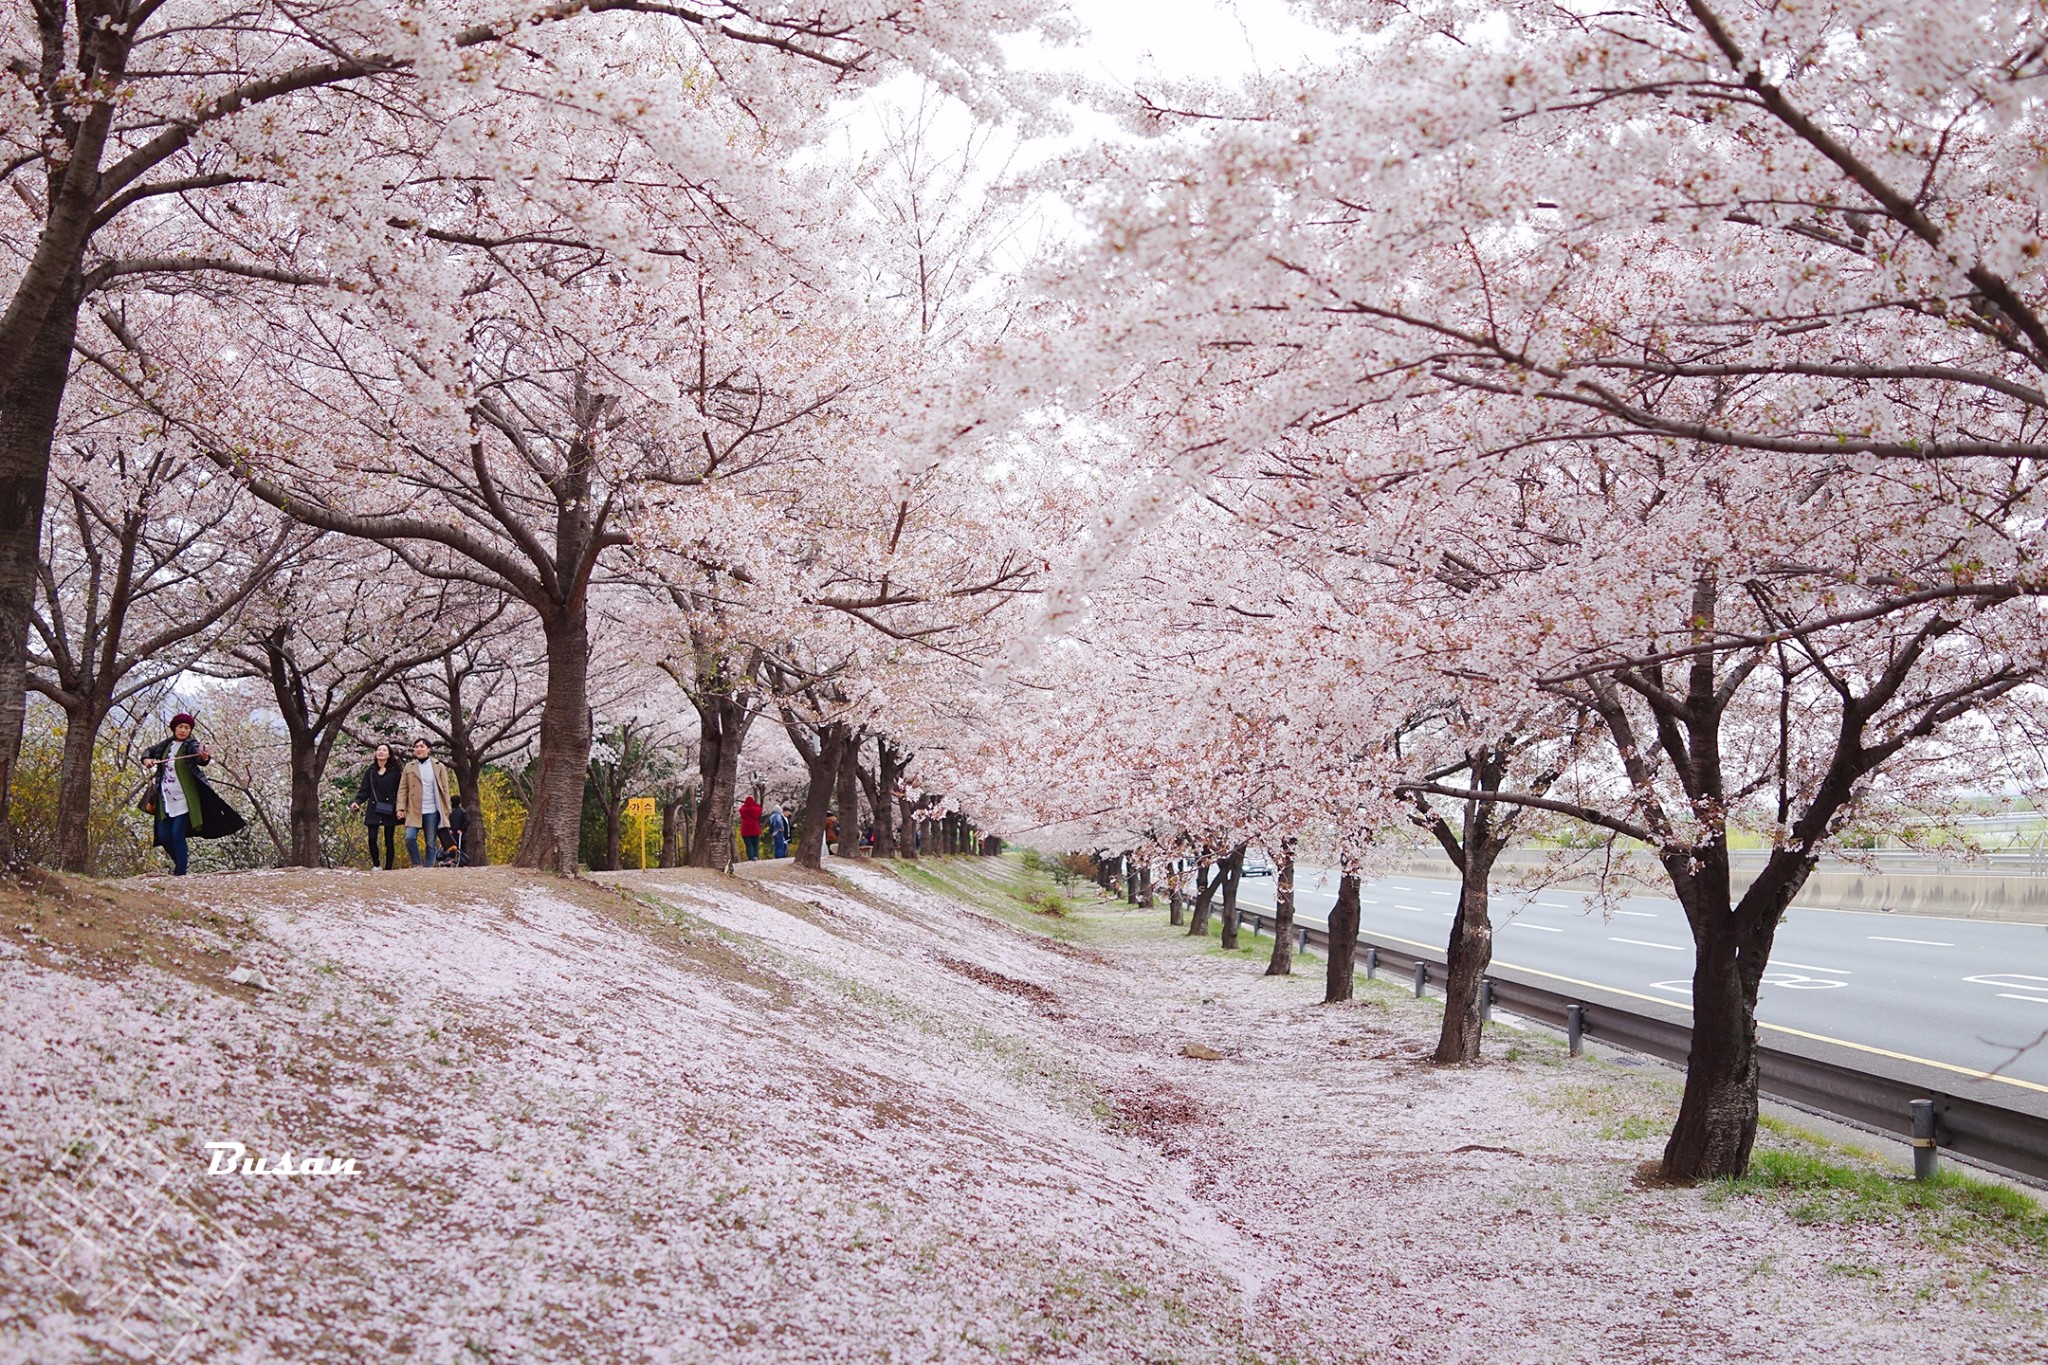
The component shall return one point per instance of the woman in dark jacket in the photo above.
(377, 799)
(178, 796)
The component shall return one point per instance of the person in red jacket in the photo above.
(750, 827)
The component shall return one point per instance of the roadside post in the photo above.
(642, 809)
(1926, 1156)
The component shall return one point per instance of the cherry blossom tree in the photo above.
(189, 144)
(1611, 304)
(144, 571)
(626, 756)
(324, 635)
(1529, 756)
(883, 782)
(479, 701)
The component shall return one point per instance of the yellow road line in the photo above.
(1909, 1057)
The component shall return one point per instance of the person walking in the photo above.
(832, 832)
(750, 827)
(179, 799)
(426, 793)
(778, 828)
(377, 799)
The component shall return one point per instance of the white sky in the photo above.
(1130, 40)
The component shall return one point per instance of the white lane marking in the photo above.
(1923, 942)
(1557, 905)
(1517, 924)
(1806, 967)
(1790, 981)
(1668, 947)
(2018, 981)
(2038, 1000)
(1636, 914)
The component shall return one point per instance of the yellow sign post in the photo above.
(641, 808)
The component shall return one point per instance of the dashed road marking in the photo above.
(1808, 967)
(1636, 914)
(1518, 924)
(1923, 942)
(1644, 943)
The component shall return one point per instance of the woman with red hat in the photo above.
(178, 796)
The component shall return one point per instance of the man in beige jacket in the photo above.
(426, 793)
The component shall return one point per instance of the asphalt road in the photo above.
(1964, 994)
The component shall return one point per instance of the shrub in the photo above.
(504, 815)
(1046, 902)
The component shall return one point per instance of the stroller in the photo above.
(454, 838)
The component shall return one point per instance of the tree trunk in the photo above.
(1717, 1117)
(1130, 879)
(469, 776)
(1231, 872)
(847, 783)
(614, 831)
(305, 800)
(1343, 941)
(28, 424)
(722, 722)
(1469, 954)
(824, 769)
(909, 835)
(885, 823)
(879, 784)
(886, 778)
(554, 818)
(1145, 885)
(74, 788)
(304, 754)
(1283, 912)
(1176, 907)
(1208, 880)
(671, 832)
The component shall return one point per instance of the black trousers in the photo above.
(390, 845)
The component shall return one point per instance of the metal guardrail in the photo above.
(2011, 1140)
